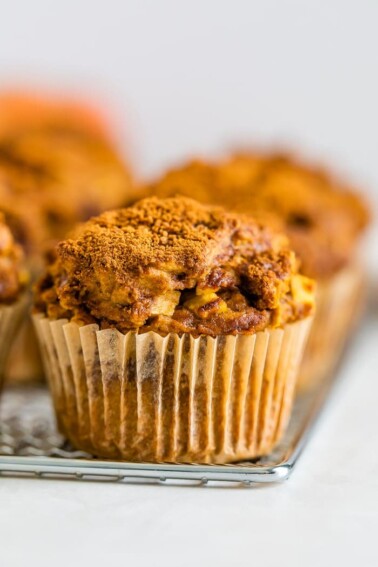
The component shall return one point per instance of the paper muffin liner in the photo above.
(144, 397)
(10, 321)
(24, 362)
(339, 304)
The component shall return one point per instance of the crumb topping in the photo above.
(174, 265)
(322, 218)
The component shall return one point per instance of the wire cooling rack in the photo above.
(30, 445)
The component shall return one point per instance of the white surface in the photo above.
(326, 514)
(197, 77)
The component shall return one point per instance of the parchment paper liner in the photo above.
(24, 361)
(10, 321)
(339, 304)
(175, 399)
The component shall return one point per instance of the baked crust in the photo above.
(174, 265)
(321, 216)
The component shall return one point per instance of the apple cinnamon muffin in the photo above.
(57, 171)
(323, 218)
(172, 331)
(57, 168)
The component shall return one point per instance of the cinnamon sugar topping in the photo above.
(173, 265)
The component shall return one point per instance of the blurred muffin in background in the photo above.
(323, 218)
(13, 296)
(58, 167)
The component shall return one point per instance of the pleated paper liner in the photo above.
(10, 320)
(24, 362)
(144, 397)
(339, 304)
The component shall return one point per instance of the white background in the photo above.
(197, 77)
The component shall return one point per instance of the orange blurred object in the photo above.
(20, 111)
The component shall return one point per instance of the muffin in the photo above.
(13, 302)
(323, 218)
(172, 332)
(57, 167)
(58, 162)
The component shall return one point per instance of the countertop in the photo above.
(327, 513)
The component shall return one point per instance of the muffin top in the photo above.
(12, 277)
(174, 265)
(55, 171)
(321, 216)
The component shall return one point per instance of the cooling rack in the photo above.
(31, 445)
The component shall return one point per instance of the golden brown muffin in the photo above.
(13, 280)
(173, 331)
(57, 167)
(52, 178)
(323, 218)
